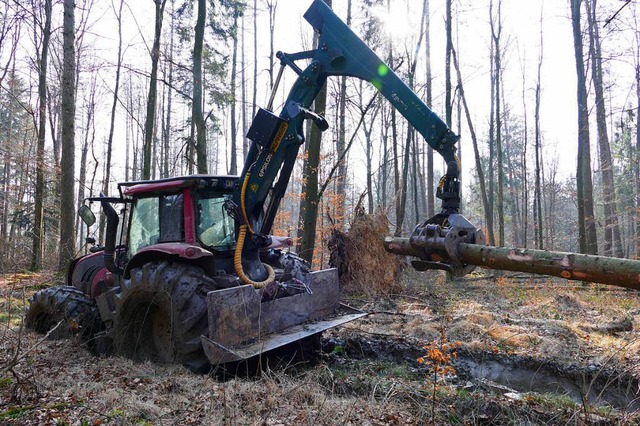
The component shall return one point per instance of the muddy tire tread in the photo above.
(51, 305)
(176, 288)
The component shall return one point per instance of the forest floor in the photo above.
(508, 350)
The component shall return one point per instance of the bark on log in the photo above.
(572, 266)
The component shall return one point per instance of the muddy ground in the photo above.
(480, 350)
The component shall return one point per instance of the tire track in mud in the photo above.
(495, 373)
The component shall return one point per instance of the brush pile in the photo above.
(363, 264)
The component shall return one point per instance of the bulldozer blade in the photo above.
(242, 326)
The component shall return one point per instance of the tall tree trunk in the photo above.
(431, 206)
(67, 139)
(243, 101)
(404, 178)
(396, 167)
(309, 203)
(394, 143)
(233, 169)
(255, 59)
(447, 64)
(586, 220)
(495, 36)
(479, 170)
(82, 180)
(342, 167)
(107, 170)
(384, 167)
(492, 137)
(368, 141)
(511, 170)
(538, 154)
(36, 255)
(272, 6)
(523, 161)
(612, 237)
(409, 138)
(415, 166)
(167, 124)
(637, 162)
(152, 96)
(197, 115)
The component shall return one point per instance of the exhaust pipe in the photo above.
(110, 238)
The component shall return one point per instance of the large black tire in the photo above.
(161, 313)
(77, 312)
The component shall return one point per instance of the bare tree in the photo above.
(448, 22)
(612, 238)
(243, 90)
(636, 58)
(196, 104)
(36, 256)
(586, 221)
(255, 59)
(67, 138)
(233, 168)
(496, 32)
(474, 140)
(537, 203)
(152, 96)
(88, 140)
(429, 100)
(116, 88)
(272, 6)
(342, 168)
(169, 88)
(309, 201)
(410, 133)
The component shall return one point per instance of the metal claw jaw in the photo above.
(435, 243)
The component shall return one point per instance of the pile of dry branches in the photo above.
(364, 266)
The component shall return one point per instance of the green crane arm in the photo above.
(276, 140)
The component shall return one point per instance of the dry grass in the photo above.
(367, 377)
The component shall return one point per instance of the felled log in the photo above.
(572, 266)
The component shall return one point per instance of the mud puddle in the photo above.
(514, 375)
(592, 385)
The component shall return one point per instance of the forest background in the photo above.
(545, 95)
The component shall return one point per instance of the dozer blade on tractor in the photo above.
(242, 326)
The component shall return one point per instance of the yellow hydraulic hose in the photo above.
(237, 263)
(237, 258)
(243, 192)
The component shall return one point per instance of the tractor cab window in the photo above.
(154, 220)
(215, 226)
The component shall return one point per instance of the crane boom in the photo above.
(277, 139)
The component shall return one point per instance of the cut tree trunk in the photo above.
(572, 266)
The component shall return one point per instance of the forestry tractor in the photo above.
(190, 273)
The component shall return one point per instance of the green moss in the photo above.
(551, 400)
(116, 412)
(14, 413)
(5, 382)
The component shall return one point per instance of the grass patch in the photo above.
(14, 413)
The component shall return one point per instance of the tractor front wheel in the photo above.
(67, 306)
(162, 312)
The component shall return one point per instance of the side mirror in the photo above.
(86, 215)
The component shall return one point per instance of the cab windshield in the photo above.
(215, 228)
(155, 220)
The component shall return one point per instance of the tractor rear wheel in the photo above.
(66, 304)
(161, 313)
